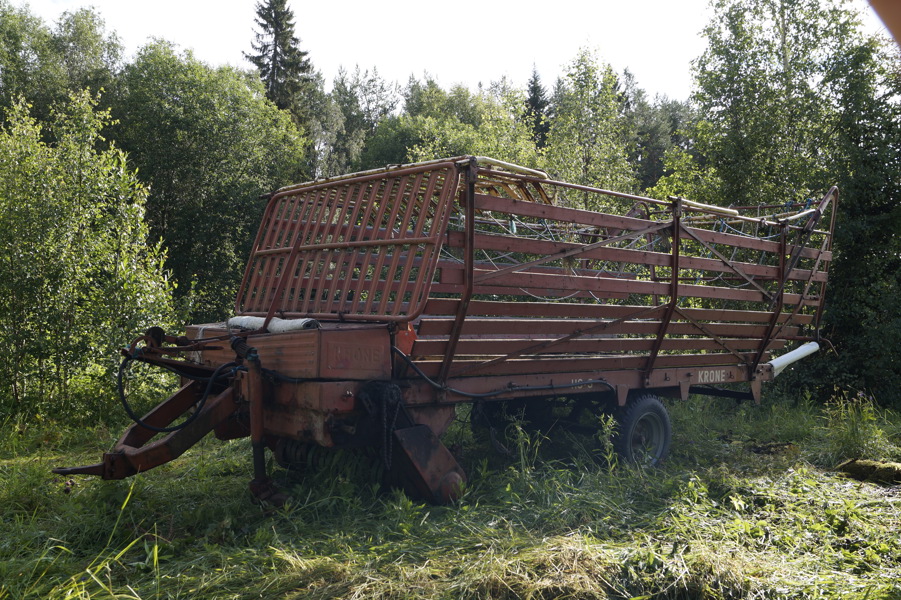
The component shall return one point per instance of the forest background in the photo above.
(130, 190)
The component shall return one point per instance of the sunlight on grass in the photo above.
(743, 509)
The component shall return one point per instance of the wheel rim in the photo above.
(648, 439)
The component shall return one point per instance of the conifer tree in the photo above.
(284, 68)
(537, 105)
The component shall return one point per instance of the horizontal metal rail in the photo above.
(495, 273)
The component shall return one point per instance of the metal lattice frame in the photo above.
(351, 249)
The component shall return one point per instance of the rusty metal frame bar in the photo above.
(421, 282)
(468, 268)
(569, 253)
(808, 230)
(676, 209)
(137, 451)
(327, 213)
(405, 189)
(343, 217)
(800, 305)
(395, 207)
(709, 333)
(833, 194)
(501, 387)
(287, 265)
(786, 266)
(778, 299)
(549, 344)
(728, 263)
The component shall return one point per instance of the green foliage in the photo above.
(283, 67)
(345, 120)
(687, 177)
(427, 99)
(439, 124)
(764, 121)
(863, 313)
(537, 109)
(657, 128)
(758, 87)
(45, 65)
(208, 144)
(721, 519)
(586, 142)
(495, 128)
(389, 143)
(78, 274)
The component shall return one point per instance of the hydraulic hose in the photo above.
(216, 376)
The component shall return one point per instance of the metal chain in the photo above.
(387, 397)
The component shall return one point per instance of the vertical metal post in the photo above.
(468, 266)
(785, 268)
(674, 289)
(255, 385)
(261, 486)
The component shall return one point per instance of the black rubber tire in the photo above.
(644, 431)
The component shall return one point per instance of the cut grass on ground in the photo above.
(746, 507)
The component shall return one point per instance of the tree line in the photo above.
(130, 190)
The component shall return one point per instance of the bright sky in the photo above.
(455, 42)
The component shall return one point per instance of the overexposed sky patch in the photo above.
(455, 42)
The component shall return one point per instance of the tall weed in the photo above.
(854, 428)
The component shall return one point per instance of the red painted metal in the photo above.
(137, 451)
(468, 270)
(465, 280)
(324, 250)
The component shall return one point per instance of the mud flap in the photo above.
(425, 467)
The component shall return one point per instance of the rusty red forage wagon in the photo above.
(376, 303)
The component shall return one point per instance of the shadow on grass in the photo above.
(740, 510)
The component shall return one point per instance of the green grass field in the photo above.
(747, 506)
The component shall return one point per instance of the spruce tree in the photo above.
(537, 105)
(284, 68)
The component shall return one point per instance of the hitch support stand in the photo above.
(137, 450)
(261, 486)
